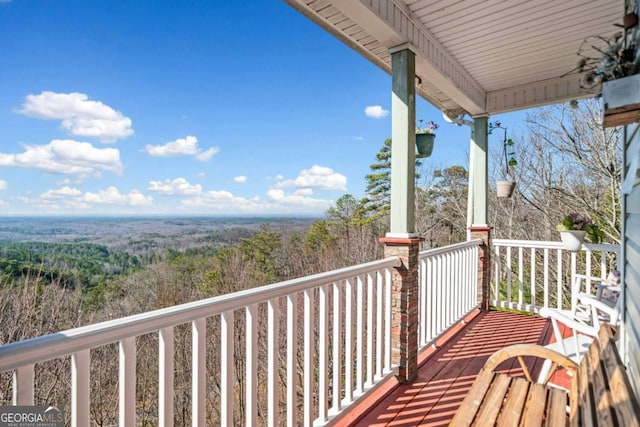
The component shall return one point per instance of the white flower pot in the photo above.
(572, 239)
(505, 188)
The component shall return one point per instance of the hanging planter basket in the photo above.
(424, 144)
(572, 239)
(504, 189)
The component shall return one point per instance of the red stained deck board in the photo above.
(447, 374)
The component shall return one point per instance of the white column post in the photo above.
(403, 160)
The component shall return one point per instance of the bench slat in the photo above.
(557, 404)
(514, 406)
(473, 399)
(586, 407)
(627, 414)
(601, 394)
(494, 399)
(534, 409)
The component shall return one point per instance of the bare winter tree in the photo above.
(567, 163)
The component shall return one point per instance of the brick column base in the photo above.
(404, 306)
(483, 232)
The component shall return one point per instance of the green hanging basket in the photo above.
(424, 144)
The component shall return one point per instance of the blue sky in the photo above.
(187, 108)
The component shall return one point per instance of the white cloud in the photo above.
(182, 147)
(223, 202)
(175, 187)
(358, 138)
(80, 116)
(68, 199)
(206, 155)
(3, 185)
(65, 157)
(240, 179)
(376, 111)
(112, 196)
(297, 201)
(319, 177)
(61, 193)
(303, 192)
(277, 201)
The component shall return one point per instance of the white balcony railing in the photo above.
(336, 345)
(297, 352)
(448, 288)
(528, 275)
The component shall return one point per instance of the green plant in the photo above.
(577, 222)
(428, 127)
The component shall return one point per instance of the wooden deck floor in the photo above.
(447, 374)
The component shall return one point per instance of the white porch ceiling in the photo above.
(475, 56)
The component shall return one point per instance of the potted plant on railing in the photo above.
(505, 188)
(613, 63)
(425, 138)
(574, 228)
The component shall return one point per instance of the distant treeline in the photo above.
(75, 265)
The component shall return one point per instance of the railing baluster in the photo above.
(23, 379)
(273, 365)
(369, 329)
(520, 277)
(497, 274)
(292, 361)
(437, 308)
(446, 288)
(559, 281)
(309, 357)
(359, 336)
(546, 278)
(199, 371)
(423, 302)
(323, 354)
(165, 377)
(251, 365)
(379, 330)
(387, 320)
(532, 280)
(226, 368)
(509, 271)
(588, 271)
(127, 382)
(348, 342)
(80, 390)
(337, 346)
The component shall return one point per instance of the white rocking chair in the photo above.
(587, 313)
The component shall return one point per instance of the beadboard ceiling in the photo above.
(475, 56)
